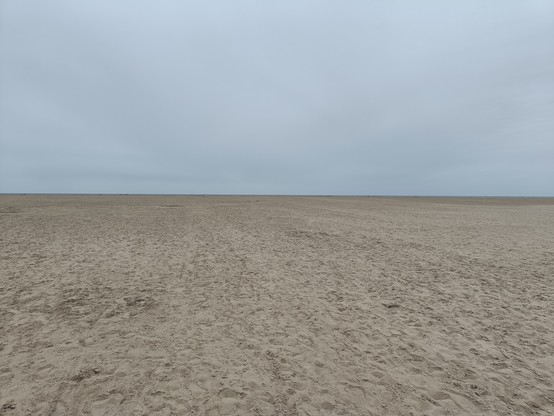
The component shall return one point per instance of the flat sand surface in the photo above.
(137, 305)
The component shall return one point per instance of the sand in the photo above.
(135, 305)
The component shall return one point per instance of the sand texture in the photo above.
(136, 305)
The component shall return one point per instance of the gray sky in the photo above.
(287, 97)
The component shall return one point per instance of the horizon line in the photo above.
(270, 195)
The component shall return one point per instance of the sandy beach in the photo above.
(169, 305)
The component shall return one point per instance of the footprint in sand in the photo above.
(229, 400)
(44, 371)
(230, 393)
(5, 376)
(327, 406)
(440, 395)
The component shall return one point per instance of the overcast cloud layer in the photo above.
(288, 97)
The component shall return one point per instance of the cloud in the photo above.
(291, 97)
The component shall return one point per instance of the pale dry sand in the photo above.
(276, 306)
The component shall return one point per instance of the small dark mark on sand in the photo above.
(9, 405)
